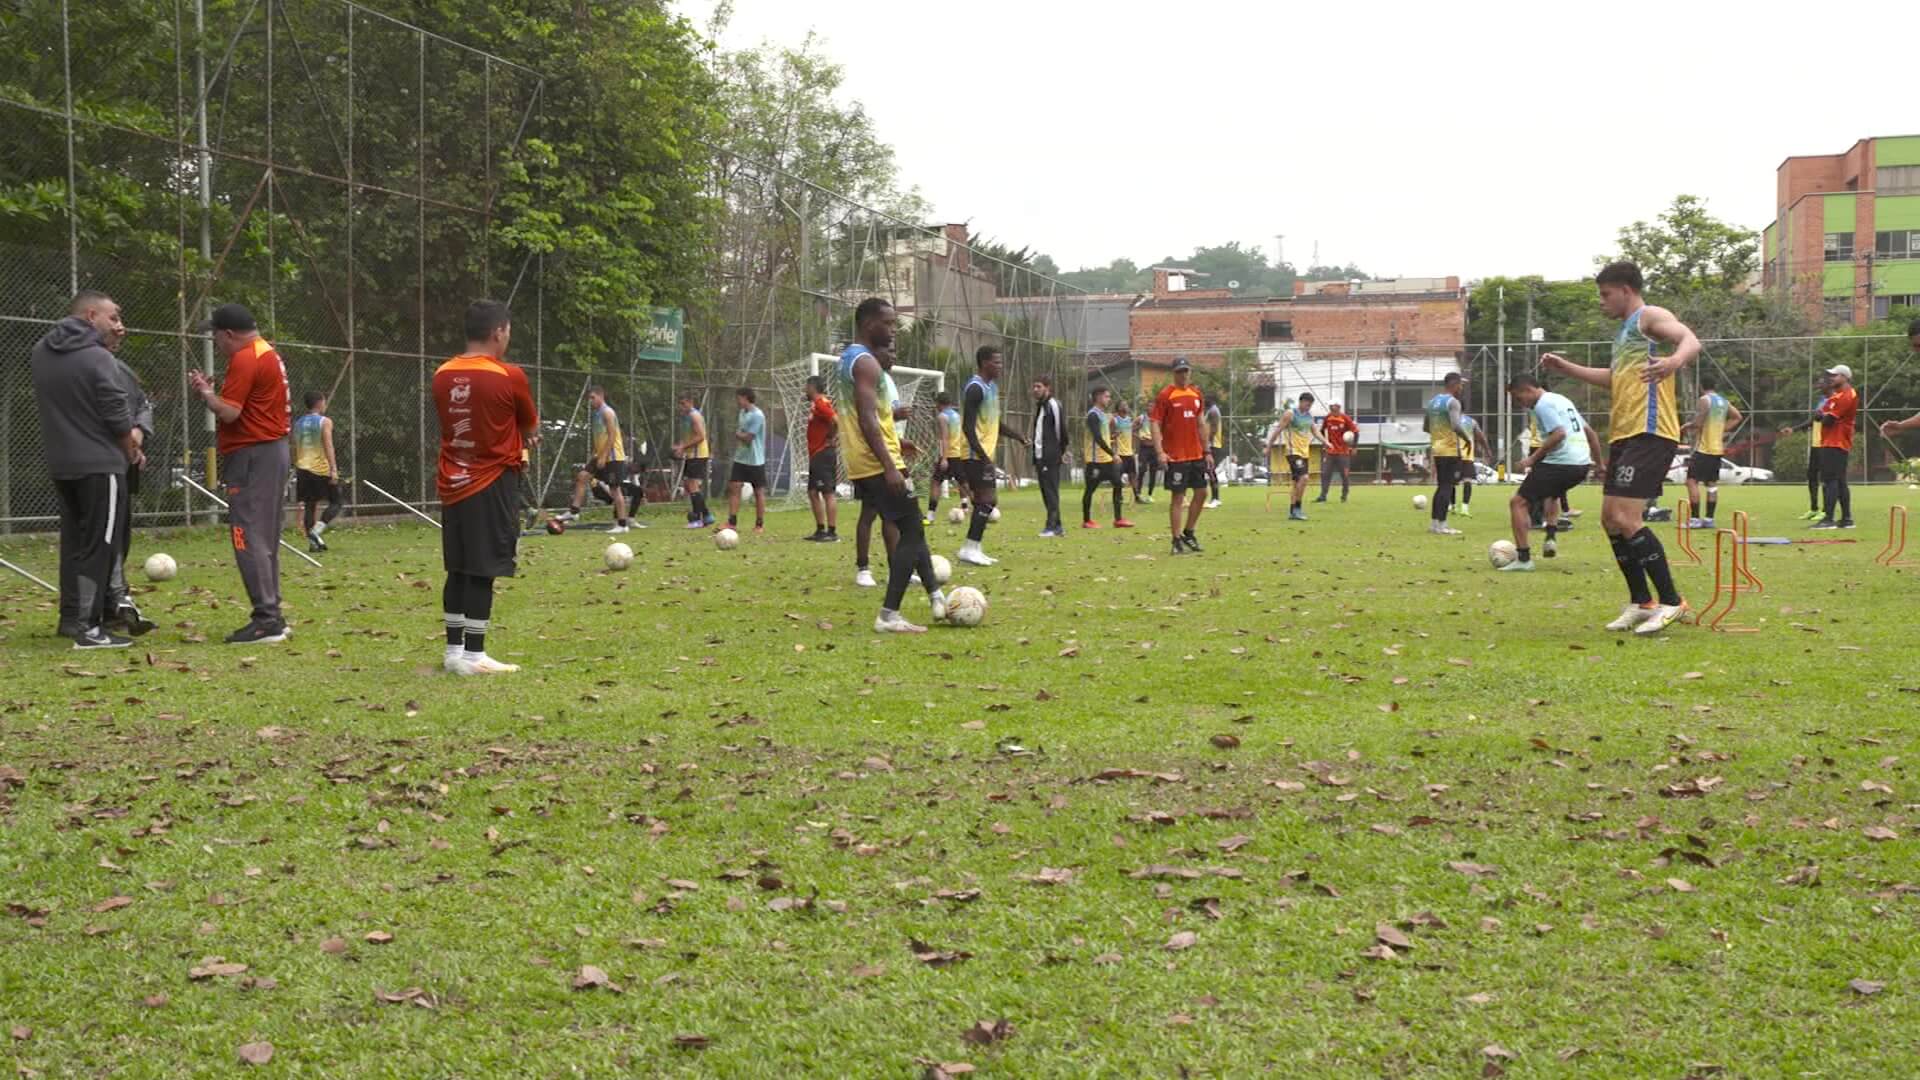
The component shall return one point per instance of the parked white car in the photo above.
(1729, 472)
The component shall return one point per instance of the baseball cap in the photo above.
(1841, 370)
(1180, 363)
(229, 317)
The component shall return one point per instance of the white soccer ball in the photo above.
(966, 606)
(995, 516)
(1502, 553)
(956, 516)
(1353, 438)
(160, 567)
(726, 539)
(1419, 502)
(942, 570)
(844, 491)
(619, 556)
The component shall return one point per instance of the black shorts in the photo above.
(872, 491)
(1149, 454)
(1832, 462)
(1548, 481)
(823, 471)
(612, 474)
(1296, 466)
(978, 473)
(693, 469)
(1127, 467)
(480, 534)
(1182, 475)
(1637, 467)
(953, 468)
(1219, 454)
(743, 473)
(1448, 471)
(314, 487)
(1102, 472)
(1704, 467)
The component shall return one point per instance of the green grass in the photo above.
(730, 721)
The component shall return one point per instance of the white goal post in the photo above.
(917, 387)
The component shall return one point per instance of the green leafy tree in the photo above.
(1703, 269)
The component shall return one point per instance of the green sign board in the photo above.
(665, 338)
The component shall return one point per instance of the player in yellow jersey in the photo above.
(1714, 418)
(694, 453)
(1289, 450)
(1644, 433)
(950, 463)
(1102, 464)
(316, 470)
(606, 468)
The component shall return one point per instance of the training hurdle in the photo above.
(1896, 539)
(1683, 531)
(1731, 565)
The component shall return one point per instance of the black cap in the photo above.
(1180, 364)
(229, 317)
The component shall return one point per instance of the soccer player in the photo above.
(1096, 450)
(1835, 436)
(1178, 416)
(1292, 438)
(1645, 430)
(486, 416)
(606, 468)
(1476, 449)
(1713, 418)
(1149, 459)
(982, 427)
(316, 471)
(1339, 434)
(1217, 451)
(1452, 443)
(953, 451)
(1559, 461)
(694, 455)
(1123, 446)
(823, 463)
(870, 511)
(749, 461)
(1049, 447)
(874, 462)
(253, 411)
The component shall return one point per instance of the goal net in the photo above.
(917, 387)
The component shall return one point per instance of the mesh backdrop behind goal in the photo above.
(917, 387)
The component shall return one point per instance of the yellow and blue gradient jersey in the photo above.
(1297, 437)
(860, 460)
(1713, 430)
(1216, 430)
(309, 444)
(1444, 439)
(1639, 409)
(1813, 435)
(1122, 437)
(1090, 451)
(956, 439)
(699, 450)
(602, 425)
(987, 421)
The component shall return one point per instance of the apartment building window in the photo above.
(1883, 306)
(1839, 246)
(1387, 399)
(1897, 180)
(1898, 244)
(1276, 330)
(1838, 309)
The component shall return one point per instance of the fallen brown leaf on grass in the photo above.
(21, 1033)
(412, 995)
(1690, 789)
(1388, 934)
(1865, 987)
(867, 971)
(946, 1070)
(1879, 832)
(1048, 875)
(936, 958)
(1378, 952)
(692, 1042)
(256, 1053)
(1182, 941)
(111, 903)
(1473, 869)
(986, 1033)
(1235, 843)
(1806, 875)
(215, 967)
(334, 946)
(1225, 742)
(1182, 873)
(592, 978)
(1498, 1052)
(379, 937)
(1679, 885)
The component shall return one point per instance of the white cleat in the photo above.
(1549, 549)
(616, 530)
(973, 556)
(480, 665)
(1633, 615)
(1516, 567)
(892, 622)
(1663, 616)
(1444, 530)
(937, 601)
(1213, 504)
(864, 579)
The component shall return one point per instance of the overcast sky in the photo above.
(1412, 139)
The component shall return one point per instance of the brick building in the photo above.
(1845, 239)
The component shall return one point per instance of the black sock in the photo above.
(733, 521)
(453, 599)
(1646, 549)
(1631, 569)
(1526, 554)
(1551, 529)
(1713, 501)
(478, 609)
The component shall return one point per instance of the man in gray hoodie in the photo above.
(87, 430)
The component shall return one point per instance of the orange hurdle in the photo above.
(1742, 528)
(1727, 558)
(1683, 531)
(1896, 538)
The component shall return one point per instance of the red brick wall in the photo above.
(1204, 333)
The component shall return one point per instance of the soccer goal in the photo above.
(917, 387)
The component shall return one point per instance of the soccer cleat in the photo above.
(1213, 504)
(1845, 523)
(1178, 548)
(487, 665)
(1811, 515)
(818, 535)
(892, 622)
(1699, 523)
(1566, 525)
(1571, 513)
(259, 634)
(696, 524)
(1633, 615)
(567, 516)
(1662, 616)
(1657, 514)
(1441, 529)
(97, 638)
(1463, 510)
(314, 543)
(1122, 523)
(973, 556)
(1148, 500)
(926, 518)
(1323, 498)
(128, 618)
(1089, 524)
(863, 577)
(1549, 549)
(1192, 541)
(617, 529)
(937, 603)
(1825, 523)
(1296, 514)
(1516, 566)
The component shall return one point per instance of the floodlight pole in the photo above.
(1500, 366)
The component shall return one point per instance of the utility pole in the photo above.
(1279, 250)
(205, 161)
(1500, 363)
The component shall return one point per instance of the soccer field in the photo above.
(1333, 798)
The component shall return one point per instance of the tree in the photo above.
(1702, 269)
(1564, 310)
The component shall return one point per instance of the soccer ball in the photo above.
(966, 606)
(956, 516)
(1419, 502)
(1353, 438)
(942, 570)
(555, 526)
(995, 516)
(1502, 553)
(619, 556)
(160, 567)
(726, 539)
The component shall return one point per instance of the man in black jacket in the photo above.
(87, 430)
(1049, 443)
